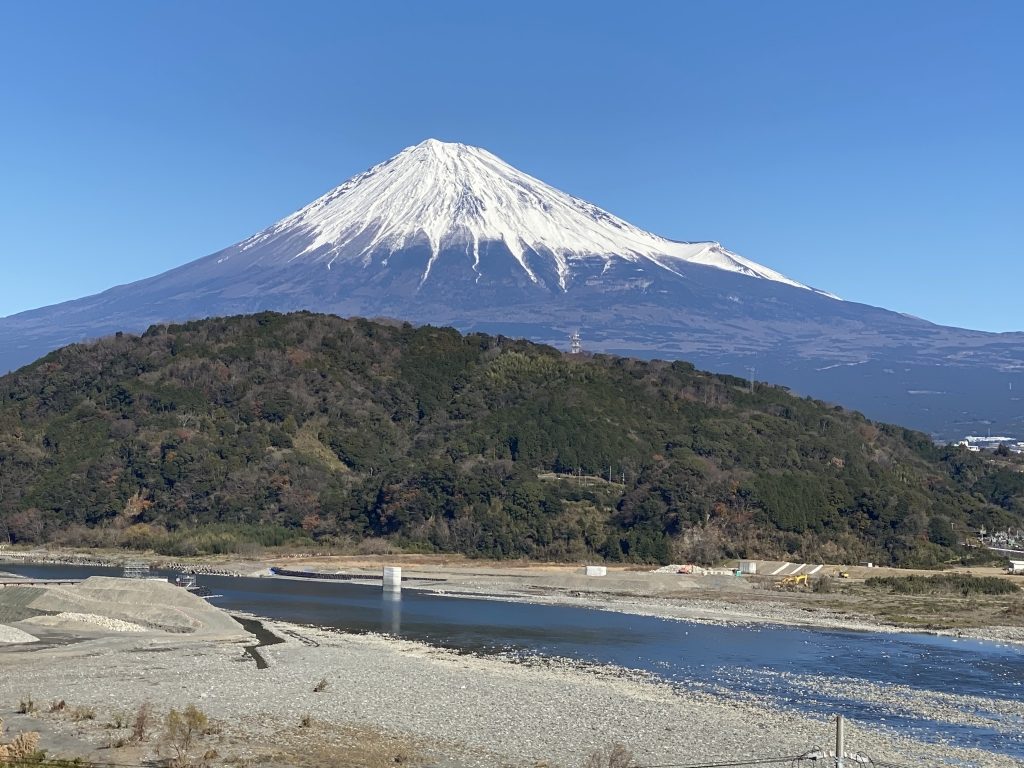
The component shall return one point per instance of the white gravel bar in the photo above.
(63, 620)
(469, 710)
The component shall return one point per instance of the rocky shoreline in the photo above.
(460, 710)
(732, 613)
(323, 697)
(729, 609)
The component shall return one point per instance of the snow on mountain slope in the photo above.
(447, 196)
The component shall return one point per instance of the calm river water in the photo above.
(774, 661)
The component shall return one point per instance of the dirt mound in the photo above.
(151, 603)
(14, 635)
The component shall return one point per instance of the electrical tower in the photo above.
(575, 343)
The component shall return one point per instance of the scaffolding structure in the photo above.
(135, 570)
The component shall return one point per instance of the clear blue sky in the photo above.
(874, 149)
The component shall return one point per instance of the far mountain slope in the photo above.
(450, 234)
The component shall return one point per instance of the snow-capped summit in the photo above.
(448, 234)
(456, 199)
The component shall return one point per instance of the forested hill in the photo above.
(211, 435)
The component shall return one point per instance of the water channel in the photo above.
(794, 667)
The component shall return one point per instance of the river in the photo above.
(811, 670)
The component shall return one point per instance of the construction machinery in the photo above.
(795, 581)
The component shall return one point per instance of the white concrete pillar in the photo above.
(392, 577)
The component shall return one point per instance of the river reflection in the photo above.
(391, 611)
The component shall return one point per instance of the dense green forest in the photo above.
(221, 434)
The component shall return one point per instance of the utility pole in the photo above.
(840, 741)
(752, 371)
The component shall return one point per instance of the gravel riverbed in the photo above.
(429, 706)
(459, 710)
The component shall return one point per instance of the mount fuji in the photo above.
(450, 234)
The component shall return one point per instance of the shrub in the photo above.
(614, 756)
(143, 722)
(116, 742)
(24, 746)
(58, 705)
(823, 585)
(946, 583)
(83, 713)
(182, 728)
(27, 706)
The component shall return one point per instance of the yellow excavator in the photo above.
(795, 581)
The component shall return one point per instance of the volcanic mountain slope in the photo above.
(450, 234)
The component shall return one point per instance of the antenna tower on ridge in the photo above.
(575, 343)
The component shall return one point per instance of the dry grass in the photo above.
(83, 713)
(307, 442)
(142, 724)
(343, 746)
(27, 706)
(182, 729)
(22, 747)
(613, 756)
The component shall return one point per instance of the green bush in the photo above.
(943, 584)
(225, 435)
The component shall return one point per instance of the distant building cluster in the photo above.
(1009, 539)
(976, 443)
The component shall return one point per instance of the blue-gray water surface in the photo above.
(729, 660)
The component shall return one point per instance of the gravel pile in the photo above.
(152, 604)
(103, 622)
(15, 635)
(694, 570)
